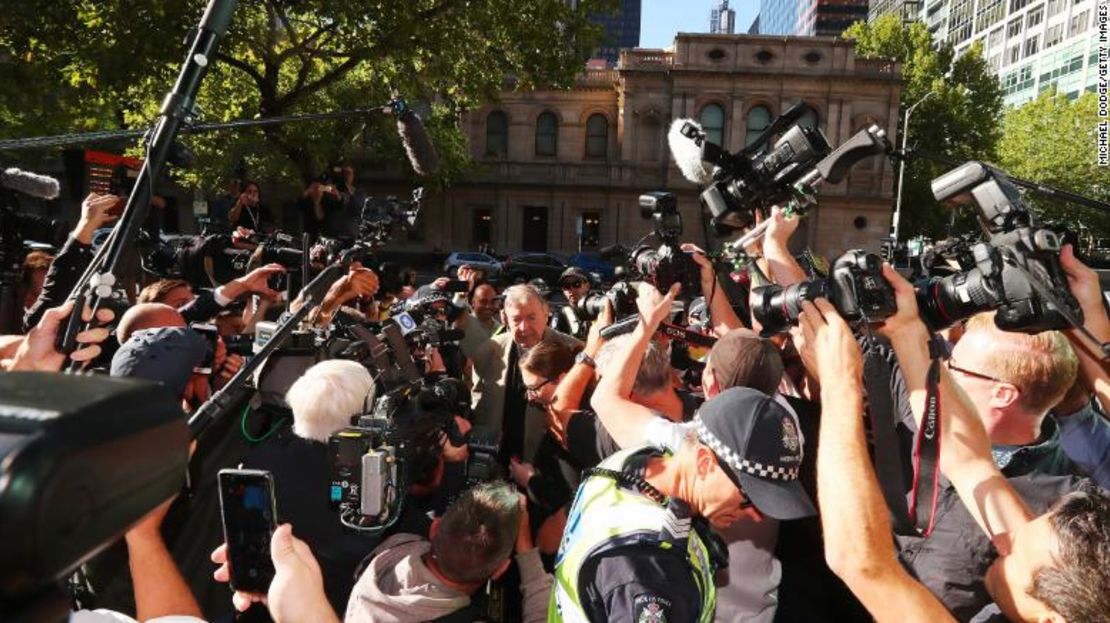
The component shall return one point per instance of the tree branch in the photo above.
(243, 66)
(343, 69)
(355, 57)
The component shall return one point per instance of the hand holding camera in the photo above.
(835, 352)
(654, 307)
(96, 212)
(261, 281)
(1085, 286)
(906, 319)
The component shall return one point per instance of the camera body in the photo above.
(855, 286)
(758, 176)
(1016, 271)
(748, 181)
(398, 442)
(621, 297)
(381, 216)
(666, 265)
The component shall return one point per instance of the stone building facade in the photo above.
(562, 170)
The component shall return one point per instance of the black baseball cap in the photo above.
(757, 443)
(427, 295)
(573, 273)
(167, 355)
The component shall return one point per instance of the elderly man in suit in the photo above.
(500, 397)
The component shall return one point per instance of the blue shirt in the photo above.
(1085, 438)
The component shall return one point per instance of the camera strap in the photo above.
(926, 452)
(887, 455)
(918, 517)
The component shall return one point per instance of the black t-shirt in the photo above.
(588, 441)
(641, 583)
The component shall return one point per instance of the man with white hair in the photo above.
(327, 395)
(499, 389)
(323, 400)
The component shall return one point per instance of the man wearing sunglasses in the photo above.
(571, 319)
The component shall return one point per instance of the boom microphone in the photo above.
(687, 153)
(33, 184)
(418, 146)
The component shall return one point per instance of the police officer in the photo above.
(575, 284)
(636, 547)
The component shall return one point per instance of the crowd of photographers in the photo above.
(657, 451)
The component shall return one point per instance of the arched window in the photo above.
(497, 134)
(597, 136)
(758, 120)
(547, 135)
(713, 123)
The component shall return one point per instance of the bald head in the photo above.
(147, 316)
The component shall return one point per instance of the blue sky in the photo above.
(660, 20)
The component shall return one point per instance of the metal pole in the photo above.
(902, 164)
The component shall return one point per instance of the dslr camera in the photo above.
(666, 265)
(622, 298)
(855, 286)
(1016, 271)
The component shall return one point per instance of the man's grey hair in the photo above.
(326, 397)
(521, 294)
(654, 374)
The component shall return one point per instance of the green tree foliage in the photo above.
(959, 120)
(103, 64)
(1052, 140)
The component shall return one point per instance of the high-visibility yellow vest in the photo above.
(606, 515)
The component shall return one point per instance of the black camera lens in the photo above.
(592, 305)
(777, 308)
(947, 300)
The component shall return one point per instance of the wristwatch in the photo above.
(582, 357)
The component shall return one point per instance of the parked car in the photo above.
(520, 267)
(480, 261)
(593, 263)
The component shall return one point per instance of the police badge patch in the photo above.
(790, 434)
(650, 609)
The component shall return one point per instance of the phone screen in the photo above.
(212, 334)
(248, 509)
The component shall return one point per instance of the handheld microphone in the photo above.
(414, 137)
(687, 153)
(33, 184)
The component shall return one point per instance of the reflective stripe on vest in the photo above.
(605, 516)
